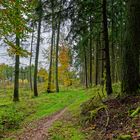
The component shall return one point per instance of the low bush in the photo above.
(11, 118)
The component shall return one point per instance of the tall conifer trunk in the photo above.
(57, 50)
(96, 63)
(37, 49)
(131, 49)
(51, 51)
(85, 66)
(106, 45)
(112, 45)
(90, 61)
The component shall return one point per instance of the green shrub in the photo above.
(135, 112)
(89, 110)
(11, 118)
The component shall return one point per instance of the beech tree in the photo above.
(16, 24)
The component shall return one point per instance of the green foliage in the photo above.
(90, 108)
(13, 114)
(15, 16)
(125, 137)
(117, 88)
(57, 137)
(135, 112)
(94, 112)
(61, 131)
(11, 118)
(92, 104)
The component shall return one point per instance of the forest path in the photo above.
(39, 130)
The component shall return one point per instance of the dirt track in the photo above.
(39, 130)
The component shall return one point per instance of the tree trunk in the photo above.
(31, 86)
(96, 64)
(121, 44)
(37, 49)
(102, 56)
(112, 45)
(130, 69)
(86, 73)
(57, 50)
(90, 60)
(106, 44)
(16, 80)
(51, 52)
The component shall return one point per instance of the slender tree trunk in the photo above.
(53, 57)
(37, 50)
(86, 73)
(57, 50)
(101, 62)
(51, 52)
(121, 45)
(82, 81)
(106, 43)
(31, 86)
(112, 46)
(131, 49)
(96, 64)
(90, 60)
(16, 80)
(101, 44)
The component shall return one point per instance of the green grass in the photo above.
(15, 115)
(65, 131)
(70, 128)
(48, 104)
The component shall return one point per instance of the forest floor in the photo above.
(41, 127)
(99, 118)
(114, 119)
(74, 114)
(33, 113)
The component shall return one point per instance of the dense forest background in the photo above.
(62, 45)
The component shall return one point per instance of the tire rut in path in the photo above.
(40, 131)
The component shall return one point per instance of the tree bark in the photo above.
(130, 69)
(106, 44)
(16, 80)
(51, 51)
(96, 64)
(112, 45)
(86, 73)
(37, 50)
(31, 85)
(90, 61)
(57, 50)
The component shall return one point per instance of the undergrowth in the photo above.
(17, 115)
